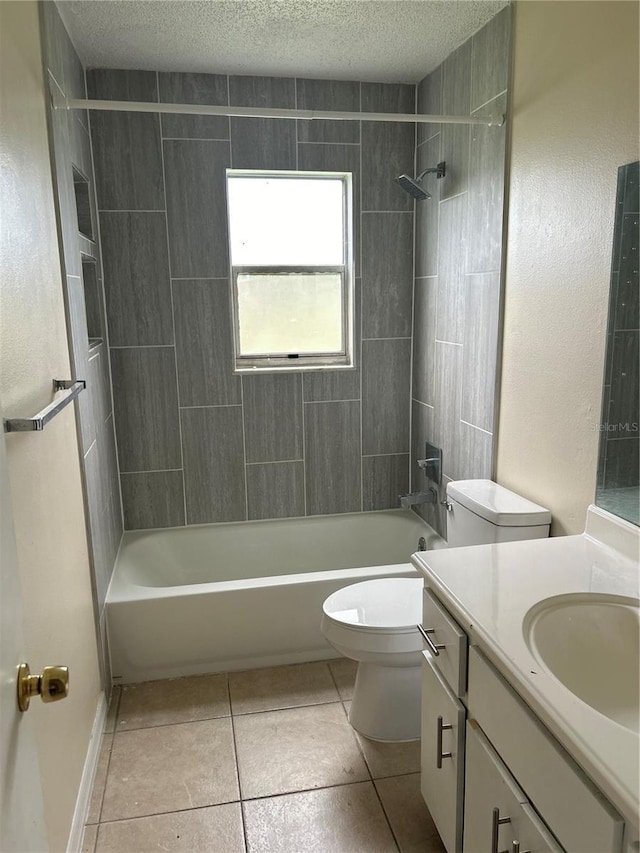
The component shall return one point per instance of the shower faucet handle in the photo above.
(422, 463)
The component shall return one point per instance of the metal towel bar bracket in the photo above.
(37, 423)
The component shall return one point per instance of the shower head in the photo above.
(412, 185)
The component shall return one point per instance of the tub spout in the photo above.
(430, 497)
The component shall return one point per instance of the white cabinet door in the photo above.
(442, 758)
(497, 815)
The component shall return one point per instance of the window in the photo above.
(291, 269)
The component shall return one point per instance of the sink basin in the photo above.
(590, 643)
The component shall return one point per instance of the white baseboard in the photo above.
(74, 845)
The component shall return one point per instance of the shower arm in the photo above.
(439, 171)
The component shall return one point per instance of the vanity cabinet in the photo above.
(497, 814)
(580, 817)
(442, 755)
(507, 761)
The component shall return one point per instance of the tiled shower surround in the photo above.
(196, 442)
(84, 305)
(458, 263)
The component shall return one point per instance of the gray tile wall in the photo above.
(459, 263)
(72, 150)
(196, 442)
(619, 437)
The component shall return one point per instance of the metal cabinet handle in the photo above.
(439, 753)
(496, 823)
(433, 647)
(515, 847)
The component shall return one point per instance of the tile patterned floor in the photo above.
(262, 761)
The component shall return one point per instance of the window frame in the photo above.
(292, 362)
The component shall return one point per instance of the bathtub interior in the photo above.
(170, 611)
(260, 549)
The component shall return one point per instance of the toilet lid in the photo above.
(391, 603)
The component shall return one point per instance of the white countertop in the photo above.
(490, 588)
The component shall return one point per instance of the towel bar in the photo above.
(39, 421)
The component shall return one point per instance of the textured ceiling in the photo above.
(376, 40)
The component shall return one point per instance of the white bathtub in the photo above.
(220, 597)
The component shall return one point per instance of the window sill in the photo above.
(290, 368)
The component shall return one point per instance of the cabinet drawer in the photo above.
(497, 814)
(451, 660)
(442, 755)
(577, 813)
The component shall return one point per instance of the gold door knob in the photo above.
(52, 684)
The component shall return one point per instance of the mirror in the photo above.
(618, 489)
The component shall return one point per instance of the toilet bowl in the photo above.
(374, 623)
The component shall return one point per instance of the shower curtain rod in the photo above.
(268, 112)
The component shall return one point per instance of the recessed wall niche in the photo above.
(92, 302)
(83, 207)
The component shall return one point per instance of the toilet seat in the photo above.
(381, 606)
(374, 622)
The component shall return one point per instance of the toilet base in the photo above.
(387, 702)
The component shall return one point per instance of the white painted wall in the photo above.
(44, 470)
(575, 120)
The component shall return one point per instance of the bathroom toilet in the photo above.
(374, 622)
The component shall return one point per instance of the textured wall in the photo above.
(44, 469)
(196, 442)
(574, 122)
(459, 262)
(90, 359)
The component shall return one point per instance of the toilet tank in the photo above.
(483, 512)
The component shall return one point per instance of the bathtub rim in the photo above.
(122, 589)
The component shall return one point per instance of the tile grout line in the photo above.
(269, 796)
(192, 139)
(106, 775)
(412, 365)
(304, 445)
(226, 716)
(173, 313)
(242, 406)
(321, 402)
(235, 749)
(244, 452)
(361, 329)
(304, 437)
(384, 812)
(241, 801)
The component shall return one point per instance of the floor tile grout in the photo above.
(386, 816)
(243, 800)
(168, 725)
(109, 739)
(229, 716)
(237, 766)
(171, 811)
(286, 708)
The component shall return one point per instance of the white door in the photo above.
(21, 816)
